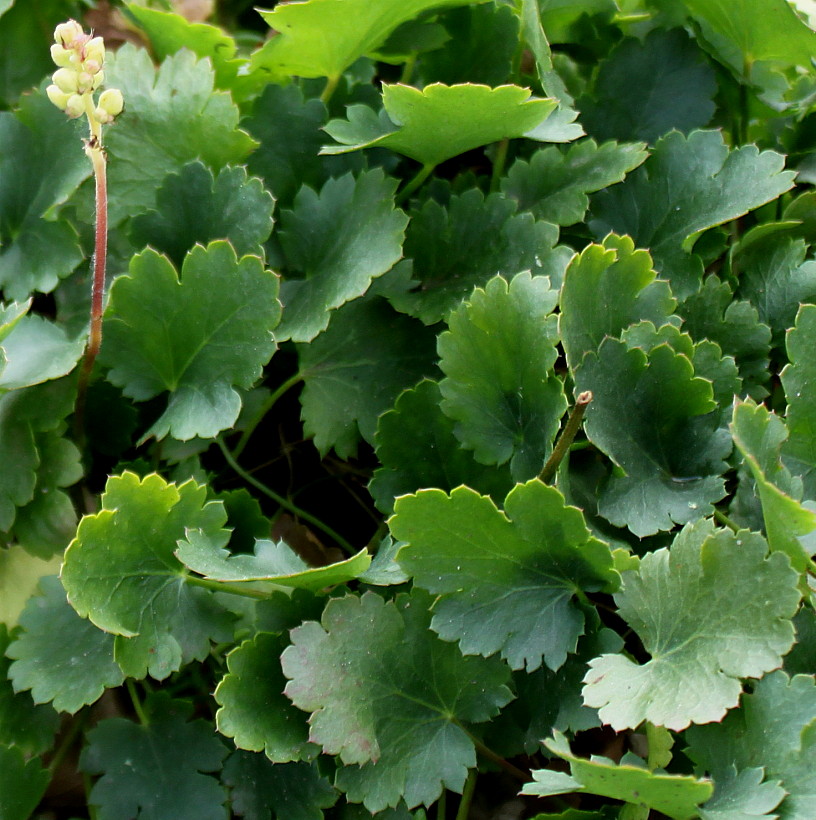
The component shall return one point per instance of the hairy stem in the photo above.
(567, 435)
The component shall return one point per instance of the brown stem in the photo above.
(97, 156)
(567, 435)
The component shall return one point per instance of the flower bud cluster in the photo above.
(80, 58)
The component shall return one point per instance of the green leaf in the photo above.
(713, 313)
(674, 89)
(63, 659)
(554, 184)
(156, 770)
(606, 288)
(505, 581)
(743, 796)
(439, 121)
(300, 47)
(499, 385)
(169, 33)
(774, 730)
(790, 526)
(416, 448)
(354, 371)
(22, 783)
(20, 572)
(480, 49)
(776, 279)
(173, 116)
(688, 185)
(335, 243)
(276, 562)
(653, 417)
(24, 724)
(798, 378)
(41, 165)
(199, 338)
(711, 610)
(675, 796)
(261, 791)
(456, 248)
(254, 712)
(121, 572)
(193, 207)
(397, 714)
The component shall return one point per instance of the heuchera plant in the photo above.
(442, 439)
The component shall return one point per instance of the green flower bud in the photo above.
(111, 102)
(61, 55)
(66, 80)
(75, 107)
(57, 96)
(66, 33)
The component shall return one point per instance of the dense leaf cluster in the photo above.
(325, 543)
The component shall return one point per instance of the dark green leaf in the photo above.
(22, 783)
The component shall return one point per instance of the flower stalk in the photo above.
(80, 58)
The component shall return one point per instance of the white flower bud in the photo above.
(95, 50)
(61, 55)
(57, 96)
(75, 107)
(66, 80)
(111, 102)
(66, 33)
(91, 66)
(84, 82)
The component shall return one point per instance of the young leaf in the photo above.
(554, 184)
(439, 121)
(299, 49)
(199, 338)
(39, 170)
(688, 185)
(193, 207)
(63, 659)
(774, 731)
(743, 796)
(789, 525)
(713, 609)
(499, 384)
(416, 448)
(156, 769)
(606, 288)
(465, 244)
(276, 562)
(675, 796)
(254, 712)
(397, 714)
(798, 378)
(22, 783)
(674, 89)
(121, 573)
(173, 116)
(505, 581)
(261, 791)
(653, 417)
(335, 243)
(23, 723)
(354, 371)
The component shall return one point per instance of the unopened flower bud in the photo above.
(61, 55)
(97, 80)
(57, 96)
(75, 107)
(66, 33)
(111, 102)
(95, 50)
(66, 80)
(91, 66)
(84, 82)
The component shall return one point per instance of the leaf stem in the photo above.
(486, 751)
(230, 589)
(414, 183)
(283, 502)
(722, 518)
(442, 805)
(329, 88)
(467, 795)
(499, 161)
(68, 739)
(137, 704)
(97, 156)
(562, 446)
(263, 410)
